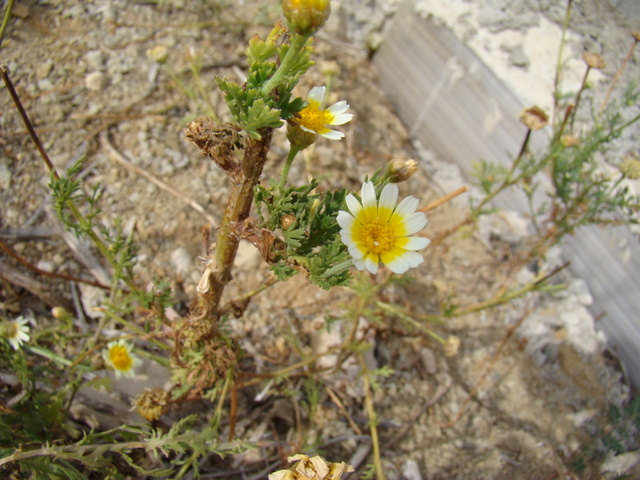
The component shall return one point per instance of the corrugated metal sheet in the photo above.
(454, 104)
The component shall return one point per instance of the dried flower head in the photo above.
(312, 468)
(378, 230)
(534, 118)
(118, 357)
(452, 347)
(593, 60)
(16, 332)
(400, 169)
(306, 17)
(152, 403)
(630, 166)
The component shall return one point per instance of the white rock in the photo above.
(411, 471)
(96, 81)
(181, 260)
(621, 464)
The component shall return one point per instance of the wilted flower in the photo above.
(118, 356)
(17, 332)
(305, 17)
(152, 403)
(378, 231)
(534, 118)
(311, 468)
(593, 60)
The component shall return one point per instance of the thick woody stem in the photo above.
(237, 210)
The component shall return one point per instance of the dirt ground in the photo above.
(496, 409)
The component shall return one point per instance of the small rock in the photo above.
(411, 471)
(95, 81)
(95, 59)
(621, 464)
(518, 58)
(44, 69)
(181, 260)
(5, 177)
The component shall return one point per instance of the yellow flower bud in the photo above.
(305, 17)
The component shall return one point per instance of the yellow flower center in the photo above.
(12, 331)
(119, 356)
(377, 237)
(313, 118)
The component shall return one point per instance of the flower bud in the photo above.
(630, 167)
(305, 17)
(158, 54)
(569, 141)
(399, 169)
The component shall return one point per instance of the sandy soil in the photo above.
(494, 410)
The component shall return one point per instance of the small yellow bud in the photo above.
(400, 169)
(158, 54)
(569, 141)
(59, 313)
(306, 17)
(452, 347)
(630, 166)
(287, 221)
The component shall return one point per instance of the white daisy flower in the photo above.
(17, 332)
(378, 230)
(314, 119)
(118, 357)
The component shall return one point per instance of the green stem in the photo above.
(556, 82)
(5, 20)
(297, 44)
(134, 328)
(401, 315)
(287, 165)
(373, 419)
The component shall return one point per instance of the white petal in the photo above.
(353, 205)
(317, 94)
(332, 134)
(345, 220)
(371, 263)
(389, 196)
(346, 237)
(406, 207)
(415, 223)
(338, 108)
(412, 258)
(368, 194)
(355, 252)
(307, 129)
(416, 243)
(360, 264)
(398, 265)
(341, 119)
